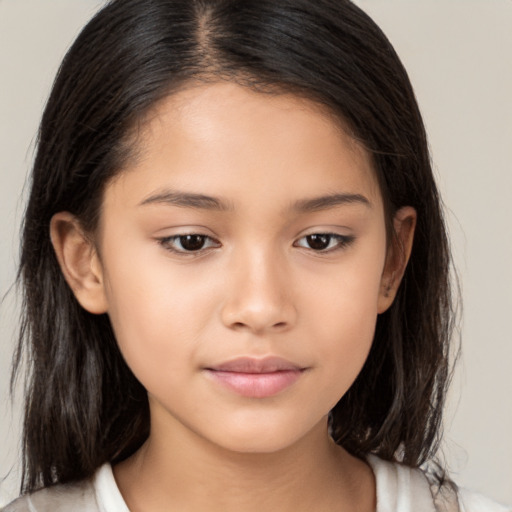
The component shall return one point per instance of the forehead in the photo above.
(218, 136)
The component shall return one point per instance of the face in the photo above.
(242, 262)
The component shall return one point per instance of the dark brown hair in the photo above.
(84, 407)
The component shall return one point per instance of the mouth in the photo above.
(256, 378)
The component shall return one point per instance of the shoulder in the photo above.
(401, 488)
(79, 497)
(98, 494)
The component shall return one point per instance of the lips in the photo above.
(256, 378)
(252, 365)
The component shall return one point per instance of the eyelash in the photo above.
(343, 241)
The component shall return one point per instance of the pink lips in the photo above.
(256, 378)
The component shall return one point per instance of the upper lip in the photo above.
(255, 365)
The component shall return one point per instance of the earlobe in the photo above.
(400, 247)
(79, 262)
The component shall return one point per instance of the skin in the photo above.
(257, 288)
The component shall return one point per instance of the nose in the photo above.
(260, 295)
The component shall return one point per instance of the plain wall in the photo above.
(459, 57)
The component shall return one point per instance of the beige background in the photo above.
(459, 56)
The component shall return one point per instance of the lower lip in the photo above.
(256, 385)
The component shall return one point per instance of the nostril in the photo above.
(242, 325)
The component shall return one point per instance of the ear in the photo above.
(399, 251)
(79, 261)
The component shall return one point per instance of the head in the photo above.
(136, 60)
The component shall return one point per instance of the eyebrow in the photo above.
(329, 201)
(204, 202)
(187, 200)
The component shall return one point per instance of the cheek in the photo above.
(347, 295)
(344, 312)
(157, 310)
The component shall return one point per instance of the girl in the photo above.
(235, 269)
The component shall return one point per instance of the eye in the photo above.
(188, 243)
(324, 242)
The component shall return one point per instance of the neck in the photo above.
(187, 472)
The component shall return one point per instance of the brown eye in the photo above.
(192, 242)
(324, 242)
(318, 242)
(189, 243)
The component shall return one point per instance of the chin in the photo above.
(265, 437)
(266, 444)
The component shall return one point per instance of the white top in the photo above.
(107, 493)
(399, 489)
